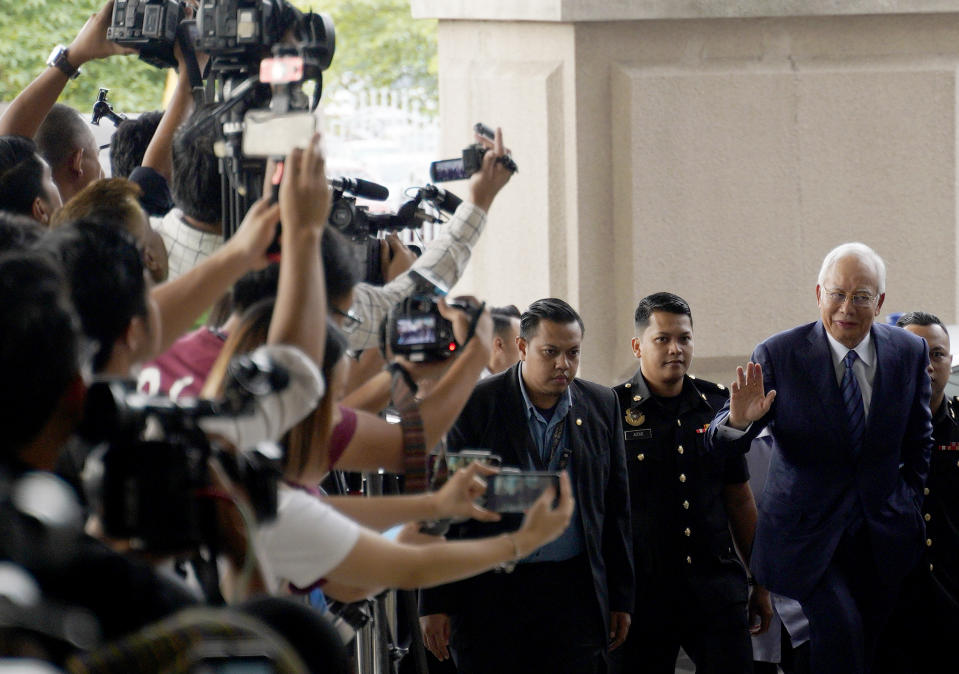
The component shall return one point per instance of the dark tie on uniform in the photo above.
(852, 402)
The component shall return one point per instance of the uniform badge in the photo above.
(634, 418)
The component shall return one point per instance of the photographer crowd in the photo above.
(192, 389)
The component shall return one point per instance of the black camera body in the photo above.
(149, 26)
(469, 162)
(417, 331)
(240, 26)
(154, 485)
(358, 225)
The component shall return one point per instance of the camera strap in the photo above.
(474, 319)
(411, 425)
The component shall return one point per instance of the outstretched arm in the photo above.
(28, 110)
(300, 314)
(159, 153)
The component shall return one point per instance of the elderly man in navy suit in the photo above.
(846, 402)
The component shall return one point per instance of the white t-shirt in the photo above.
(307, 540)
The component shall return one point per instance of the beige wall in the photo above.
(719, 158)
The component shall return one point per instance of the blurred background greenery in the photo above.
(378, 45)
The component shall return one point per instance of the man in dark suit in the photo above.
(561, 607)
(846, 402)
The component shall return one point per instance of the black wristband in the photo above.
(472, 328)
(395, 368)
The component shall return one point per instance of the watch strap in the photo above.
(59, 59)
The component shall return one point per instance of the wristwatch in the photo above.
(58, 59)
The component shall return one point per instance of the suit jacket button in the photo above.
(930, 567)
(641, 457)
(928, 542)
(688, 532)
(927, 517)
(685, 505)
(926, 491)
(628, 385)
(579, 422)
(689, 560)
(682, 477)
(680, 449)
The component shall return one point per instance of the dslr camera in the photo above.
(418, 331)
(415, 327)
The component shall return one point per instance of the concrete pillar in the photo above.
(713, 149)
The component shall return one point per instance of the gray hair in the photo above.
(858, 250)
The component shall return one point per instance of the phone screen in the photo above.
(516, 492)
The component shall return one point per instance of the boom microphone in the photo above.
(360, 188)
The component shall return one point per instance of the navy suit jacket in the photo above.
(495, 418)
(816, 485)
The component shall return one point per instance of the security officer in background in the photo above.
(921, 632)
(691, 589)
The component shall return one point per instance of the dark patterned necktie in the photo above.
(852, 403)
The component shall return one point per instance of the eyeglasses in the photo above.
(858, 299)
(938, 356)
(350, 320)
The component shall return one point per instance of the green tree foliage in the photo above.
(31, 28)
(378, 44)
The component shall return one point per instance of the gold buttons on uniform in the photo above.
(926, 491)
(637, 398)
(579, 422)
(628, 385)
(688, 532)
(679, 423)
(682, 477)
(930, 567)
(641, 457)
(927, 517)
(680, 449)
(689, 560)
(685, 505)
(928, 542)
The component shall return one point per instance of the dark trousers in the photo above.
(668, 615)
(542, 617)
(848, 609)
(920, 636)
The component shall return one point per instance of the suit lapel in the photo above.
(822, 372)
(880, 382)
(513, 410)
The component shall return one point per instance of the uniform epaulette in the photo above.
(705, 386)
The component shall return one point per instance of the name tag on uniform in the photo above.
(639, 434)
(951, 447)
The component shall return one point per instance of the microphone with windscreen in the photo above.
(360, 188)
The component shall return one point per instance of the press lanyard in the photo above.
(553, 444)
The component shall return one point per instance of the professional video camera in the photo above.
(262, 54)
(470, 162)
(361, 227)
(149, 26)
(153, 468)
